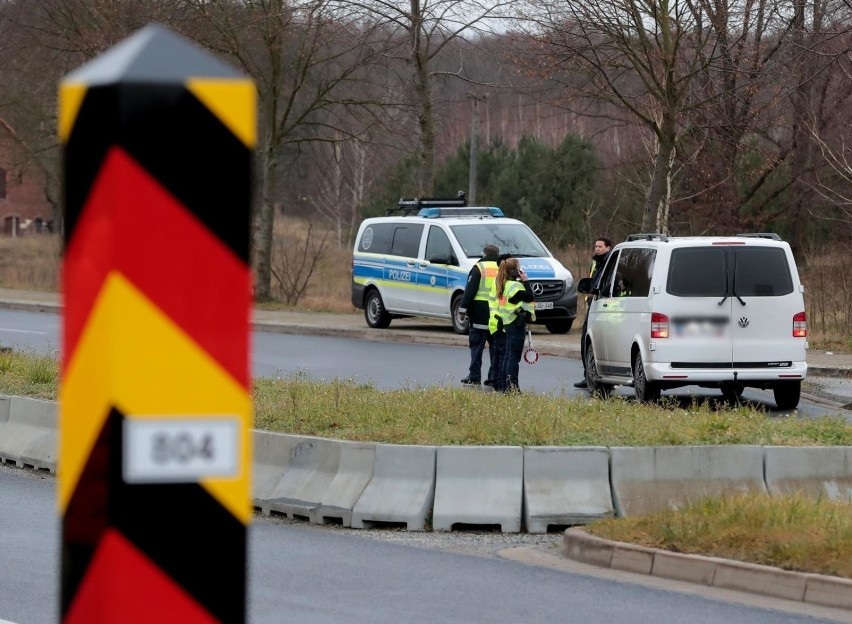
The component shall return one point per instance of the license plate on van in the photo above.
(700, 328)
(543, 305)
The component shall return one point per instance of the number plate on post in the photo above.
(166, 450)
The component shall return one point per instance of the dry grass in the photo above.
(792, 532)
(30, 262)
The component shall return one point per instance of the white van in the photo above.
(721, 312)
(416, 263)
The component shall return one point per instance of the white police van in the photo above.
(725, 312)
(416, 263)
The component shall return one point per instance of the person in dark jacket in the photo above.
(603, 247)
(474, 307)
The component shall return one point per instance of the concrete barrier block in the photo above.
(271, 456)
(5, 404)
(829, 591)
(565, 486)
(401, 490)
(312, 467)
(42, 453)
(353, 474)
(478, 485)
(650, 479)
(759, 579)
(818, 471)
(27, 421)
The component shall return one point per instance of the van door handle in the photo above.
(423, 265)
(603, 305)
(411, 263)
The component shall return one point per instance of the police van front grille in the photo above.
(551, 289)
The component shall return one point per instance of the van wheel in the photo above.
(732, 392)
(559, 327)
(787, 394)
(460, 327)
(646, 391)
(596, 387)
(374, 311)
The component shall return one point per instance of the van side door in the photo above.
(433, 273)
(400, 292)
(602, 315)
(630, 309)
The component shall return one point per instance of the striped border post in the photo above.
(155, 408)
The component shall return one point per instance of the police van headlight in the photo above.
(569, 283)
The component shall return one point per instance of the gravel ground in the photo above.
(836, 389)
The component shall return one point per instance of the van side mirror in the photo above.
(440, 260)
(585, 286)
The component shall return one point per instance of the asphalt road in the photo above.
(306, 574)
(389, 365)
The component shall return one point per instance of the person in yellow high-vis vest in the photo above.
(474, 307)
(603, 246)
(515, 306)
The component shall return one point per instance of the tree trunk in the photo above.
(264, 224)
(659, 192)
(423, 92)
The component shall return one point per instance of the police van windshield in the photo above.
(512, 238)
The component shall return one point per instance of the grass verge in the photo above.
(792, 532)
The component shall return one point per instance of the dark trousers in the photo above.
(583, 343)
(515, 334)
(498, 344)
(477, 339)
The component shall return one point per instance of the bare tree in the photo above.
(424, 29)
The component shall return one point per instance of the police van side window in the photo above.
(633, 274)
(762, 272)
(697, 272)
(376, 238)
(406, 240)
(438, 246)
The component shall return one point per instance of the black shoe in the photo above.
(489, 382)
(469, 382)
(582, 385)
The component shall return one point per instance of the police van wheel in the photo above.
(374, 311)
(596, 387)
(646, 391)
(787, 394)
(460, 327)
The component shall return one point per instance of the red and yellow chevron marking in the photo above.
(156, 339)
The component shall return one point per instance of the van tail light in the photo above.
(659, 325)
(800, 325)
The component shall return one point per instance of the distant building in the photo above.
(24, 209)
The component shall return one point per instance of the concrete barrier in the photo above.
(565, 486)
(401, 490)
(478, 485)
(650, 479)
(353, 474)
(313, 465)
(271, 457)
(29, 435)
(818, 471)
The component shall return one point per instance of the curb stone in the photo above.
(817, 589)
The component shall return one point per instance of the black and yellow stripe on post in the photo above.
(155, 409)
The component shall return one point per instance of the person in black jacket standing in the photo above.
(474, 307)
(603, 247)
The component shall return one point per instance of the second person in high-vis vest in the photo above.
(515, 306)
(474, 307)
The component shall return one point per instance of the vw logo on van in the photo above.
(537, 288)
(743, 322)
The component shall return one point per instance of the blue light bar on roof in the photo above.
(435, 213)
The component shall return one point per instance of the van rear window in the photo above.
(762, 272)
(702, 271)
(697, 272)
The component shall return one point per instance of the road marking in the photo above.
(21, 331)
